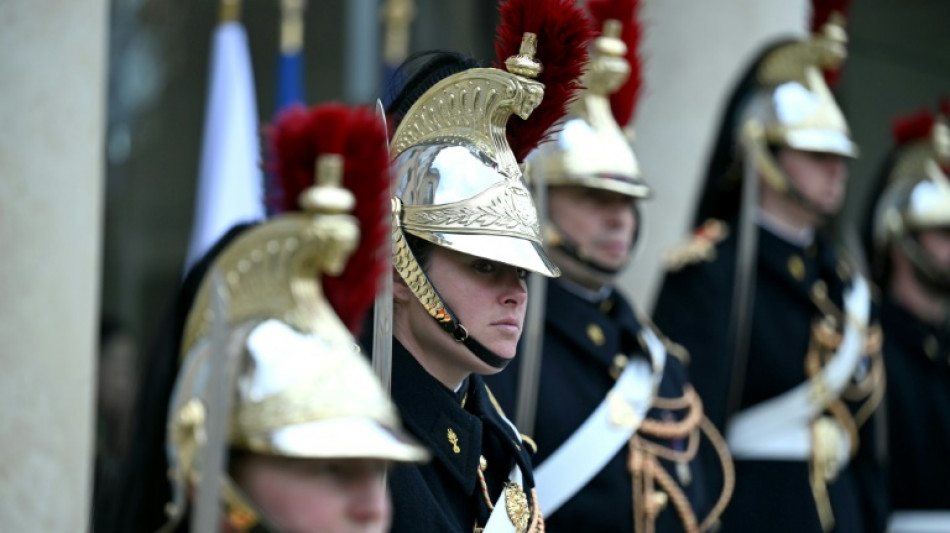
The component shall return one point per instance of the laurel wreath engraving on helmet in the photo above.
(503, 209)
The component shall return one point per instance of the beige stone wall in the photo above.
(52, 93)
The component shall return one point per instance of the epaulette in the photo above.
(700, 247)
(672, 348)
(494, 402)
(677, 350)
(847, 266)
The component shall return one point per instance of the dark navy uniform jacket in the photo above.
(445, 496)
(581, 340)
(694, 309)
(917, 359)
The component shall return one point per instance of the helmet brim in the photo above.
(342, 438)
(514, 251)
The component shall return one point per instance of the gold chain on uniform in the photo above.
(537, 518)
(825, 339)
(648, 474)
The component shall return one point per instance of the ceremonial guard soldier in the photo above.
(465, 233)
(910, 255)
(777, 321)
(261, 415)
(616, 422)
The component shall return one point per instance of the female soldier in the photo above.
(465, 234)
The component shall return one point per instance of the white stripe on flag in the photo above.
(230, 186)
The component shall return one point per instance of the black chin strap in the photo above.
(444, 316)
(236, 507)
(573, 251)
(461, 335)
(793, 194)
(924, 268)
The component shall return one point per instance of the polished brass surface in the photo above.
(338, 389)
(230, 11)
(590, 149)
(291, 25)
(517, 507)
(397, 16)
(524, 63)
(273, 270)
(298, 385)
(793, 107)
(470, 109)
(457, 183)
(917, 195)
(504, 208)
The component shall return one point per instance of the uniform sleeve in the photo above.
(693, 311)
(869, 469)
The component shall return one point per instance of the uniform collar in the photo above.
(914, 335)
(433, 413)
(802, 237)
(802, 266)
(601, 329)
(589, 295)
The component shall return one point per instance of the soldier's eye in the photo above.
(484, 266)
(522, 273)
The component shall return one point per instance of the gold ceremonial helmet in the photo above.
(590, 150)
(458, 184)
(916, 197)
(297, 385)
(794, 105)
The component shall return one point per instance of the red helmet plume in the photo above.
(909, 128)
(822, 11)
(297, 137)
(624, 101)
(563, 36)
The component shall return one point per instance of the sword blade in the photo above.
(206, 516)
(383, 308)
(530, 365)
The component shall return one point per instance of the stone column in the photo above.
(694, 51)
(52, 91)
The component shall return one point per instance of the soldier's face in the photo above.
(819, 177)
(601, 222)
(489, 298)
(317, 495)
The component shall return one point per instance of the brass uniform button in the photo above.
(658, 502)
(606, 305)
(844, 270)
(796, 267)
(930, 346)
(620, 362)
(596, 334)
(819, 291)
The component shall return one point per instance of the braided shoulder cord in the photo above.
(728, 473)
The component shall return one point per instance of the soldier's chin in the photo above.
(505, 350)
(502, 350)
(613, 262)
(829, 210)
